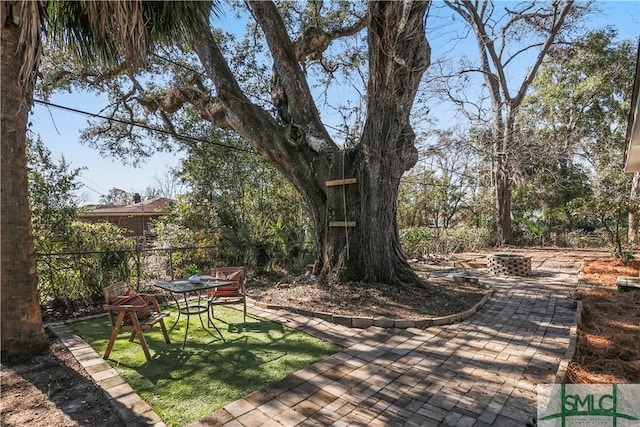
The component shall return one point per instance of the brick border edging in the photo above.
(585, 286)
(129, 406)
(365, 322)
(561, 373)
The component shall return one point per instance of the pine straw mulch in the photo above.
(608, 341)
(605, 271)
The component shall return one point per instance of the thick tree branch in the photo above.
(290, 92)
(399, 54)
(488, 47)
(246, 118)
(210, 108)
(315, 40)
(558, 21)
(285, 62)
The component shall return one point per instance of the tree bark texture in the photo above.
(22, 330)
(503, 173)
(503, 190)
(298, 144)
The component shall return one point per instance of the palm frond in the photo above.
(33, 16)
(125, 31)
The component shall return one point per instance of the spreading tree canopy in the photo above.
(356, 233)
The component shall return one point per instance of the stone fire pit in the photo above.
(509, 265)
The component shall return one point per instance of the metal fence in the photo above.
(78, 276)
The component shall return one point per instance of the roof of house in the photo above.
(157, 206)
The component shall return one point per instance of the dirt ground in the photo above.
(53, 389)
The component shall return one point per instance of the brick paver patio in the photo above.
(480, 372)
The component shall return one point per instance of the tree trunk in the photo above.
(398, 55)
(365, 245)
(634, 198)
(503, 206)
(503, 184)
(22, 330)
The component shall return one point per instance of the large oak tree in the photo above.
(356, 230)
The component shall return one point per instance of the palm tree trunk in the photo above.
(22, 330)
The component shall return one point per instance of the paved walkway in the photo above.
(480, 372)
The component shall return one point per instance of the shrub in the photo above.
(94, 256)
(421, 241)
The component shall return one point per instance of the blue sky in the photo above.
(60, 129)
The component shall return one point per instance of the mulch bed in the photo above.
(608, 345)
(437, 298)
(52, 389)
(605, 271)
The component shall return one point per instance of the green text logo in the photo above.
(594, 405)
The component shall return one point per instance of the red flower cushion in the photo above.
(114, 299)
(227, 290)
(142, 308)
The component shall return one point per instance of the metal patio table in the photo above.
(184, 287)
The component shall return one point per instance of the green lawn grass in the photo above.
(183, 386)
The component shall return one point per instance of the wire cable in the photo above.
(149, 128)
(90, 188)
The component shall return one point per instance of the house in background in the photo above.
(134, 219)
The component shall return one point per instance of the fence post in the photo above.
(138, 266)
(51, 278)
(170, 265)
